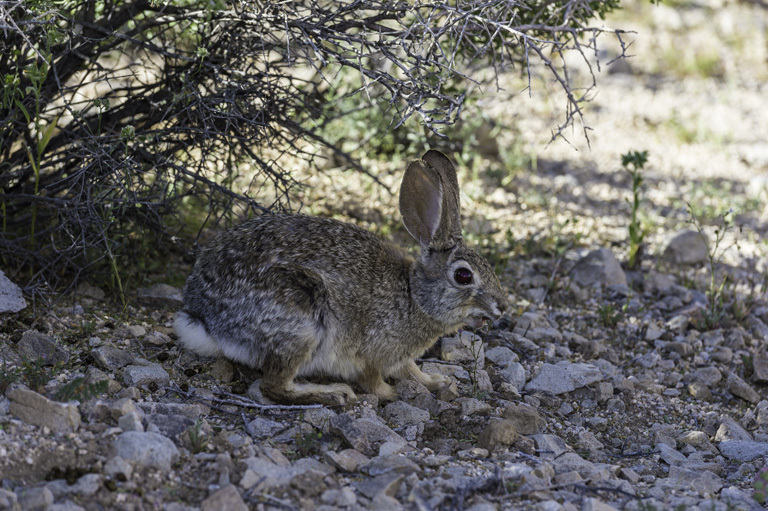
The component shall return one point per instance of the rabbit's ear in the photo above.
(449, 231)
(421, 201)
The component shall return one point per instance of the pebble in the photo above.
(742, 450)
(471, 406)
(346, 460)
(161, 296)
(35, 498)
(110, 358)
(143, 375)
(463, 347)
(363, 434)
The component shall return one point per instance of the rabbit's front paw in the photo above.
(436, 381)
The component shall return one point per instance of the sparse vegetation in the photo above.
(634, 163)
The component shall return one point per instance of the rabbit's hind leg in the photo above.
(432, 381)
(280, 370)
(371, 380)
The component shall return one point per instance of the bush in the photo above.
(120, 119)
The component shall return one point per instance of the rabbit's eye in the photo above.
(463, 276)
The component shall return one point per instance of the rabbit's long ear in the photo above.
(429, 201)
(449, 231)
(421, 201)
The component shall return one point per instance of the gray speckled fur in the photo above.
(296, 295)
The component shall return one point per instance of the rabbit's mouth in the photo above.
(479, 322)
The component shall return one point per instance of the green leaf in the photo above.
(23, 110)
(43, 142)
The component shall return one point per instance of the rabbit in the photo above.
(299, 296)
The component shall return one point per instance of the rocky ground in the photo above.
(603, 388)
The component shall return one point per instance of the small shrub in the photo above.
(634, 162)
(79, 390)
(760, 486)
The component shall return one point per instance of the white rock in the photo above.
(11, 299)
(148, 449)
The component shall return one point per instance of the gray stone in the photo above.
(171, 426)
(343, 497)
(571, 461)
(729, 429)
(222, 370)
(131, 421)
(384, 502)
(38, 410)
(110, 358)
(700, 391)
(589, 442)
(533, 326)
(38, 346)
(501, 356)
(390, 464)
(386, 484)
(35, 498)
(701, 481)
(409, 389)
(147, 449)
(141, 376)
(599, 267)
(524, 418)
(161, 295)
(227, 498)
(363, 434)
(402, 414)
(498, 433)
(348, 460)
(760, 366)
(472, 406)
(434, 406)
(550, 444)
(118, 467)
(86, 486)
(742, 450)
(190, 410)
(264, 428)
(709, 376)
(686, 247)
(11, 299)
(514, 373)
(564, 377)
(593, 504)
(670, 455)
(463, 347)
(742, 389)
(8, 500)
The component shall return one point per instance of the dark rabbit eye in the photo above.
(463, 276)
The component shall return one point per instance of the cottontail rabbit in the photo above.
(298, 296)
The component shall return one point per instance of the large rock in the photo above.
(524, 418)
(498, 433)
(11, 299)
(402, 414)
(742, 389)
(35, 345)
(599, 267)
(564, 377)
(147, 449)
(33, 408)
(686, 247)
(743, 450)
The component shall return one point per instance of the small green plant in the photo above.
(79, 390)
(760, 494)
(33, 373)
(634, 162)
(308, 443)
(715, 312)
(198, 439)
(609, 315)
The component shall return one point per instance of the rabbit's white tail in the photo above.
(193, 336)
